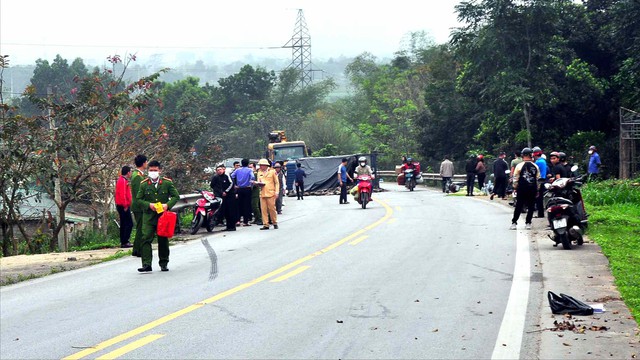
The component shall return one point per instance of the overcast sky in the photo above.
(212, 30)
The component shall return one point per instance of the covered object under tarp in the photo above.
(322, 171)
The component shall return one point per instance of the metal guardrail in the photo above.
(186, 201)
(426, 176)
(189, 200)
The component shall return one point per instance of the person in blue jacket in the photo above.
(300, 175)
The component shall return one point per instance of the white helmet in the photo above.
(362, 159)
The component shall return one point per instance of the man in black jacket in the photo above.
(525, 181)
(223, 187)
(500, 168)
(470, 168)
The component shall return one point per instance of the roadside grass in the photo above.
(614, 223)
(19, 278)
(185, 220)
(117, 255)
(95, 240)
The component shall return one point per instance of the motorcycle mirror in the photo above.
(574, 168)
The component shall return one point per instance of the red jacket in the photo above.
(123, 192)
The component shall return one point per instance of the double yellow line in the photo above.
(149, 326)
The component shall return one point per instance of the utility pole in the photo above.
(62, 245)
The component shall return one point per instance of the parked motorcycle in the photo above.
(364, 190)
(204, 211)
(565, 210)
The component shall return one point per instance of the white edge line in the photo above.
(509, 339)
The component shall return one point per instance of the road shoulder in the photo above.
(583, 273)
(14, 269)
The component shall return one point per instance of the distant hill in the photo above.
(16, 78)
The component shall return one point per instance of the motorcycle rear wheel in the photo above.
(566, 242)
(210, 223)
(196, 223)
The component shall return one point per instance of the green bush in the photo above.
(90, 239)
(185, 219)
(39, 242)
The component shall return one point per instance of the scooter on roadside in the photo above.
(565, 210)
(364, 190)
(204, 211)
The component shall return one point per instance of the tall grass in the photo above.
(612, 192)
(614, 206)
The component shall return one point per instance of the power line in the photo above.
(151, 47)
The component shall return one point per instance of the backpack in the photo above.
(528, 177)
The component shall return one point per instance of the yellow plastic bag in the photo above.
(159, 208)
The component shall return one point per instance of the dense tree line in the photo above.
(74, 128)
(551, 73)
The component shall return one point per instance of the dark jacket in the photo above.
(221, 184)
(470, 166)
(300, 175)
(500, 167)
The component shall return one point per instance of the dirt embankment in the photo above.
(18, 268)
(22, 267)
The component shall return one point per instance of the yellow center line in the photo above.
(358, 240)
(130, 347)
(153, 324)
(290, 274)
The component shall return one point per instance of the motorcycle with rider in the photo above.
(364, 187)
(410, 174)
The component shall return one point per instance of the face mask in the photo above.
(153, 175)
(590, 152)
(363, 164)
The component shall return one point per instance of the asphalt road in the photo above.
(415, 275)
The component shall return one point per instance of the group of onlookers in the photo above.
(527, 174)
(252, 193)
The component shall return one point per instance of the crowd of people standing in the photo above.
(251, 193)
(527, 174)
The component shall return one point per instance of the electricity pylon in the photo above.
(300, 43)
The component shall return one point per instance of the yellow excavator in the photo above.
(281, 149)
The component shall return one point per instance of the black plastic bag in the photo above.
(565, 304)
